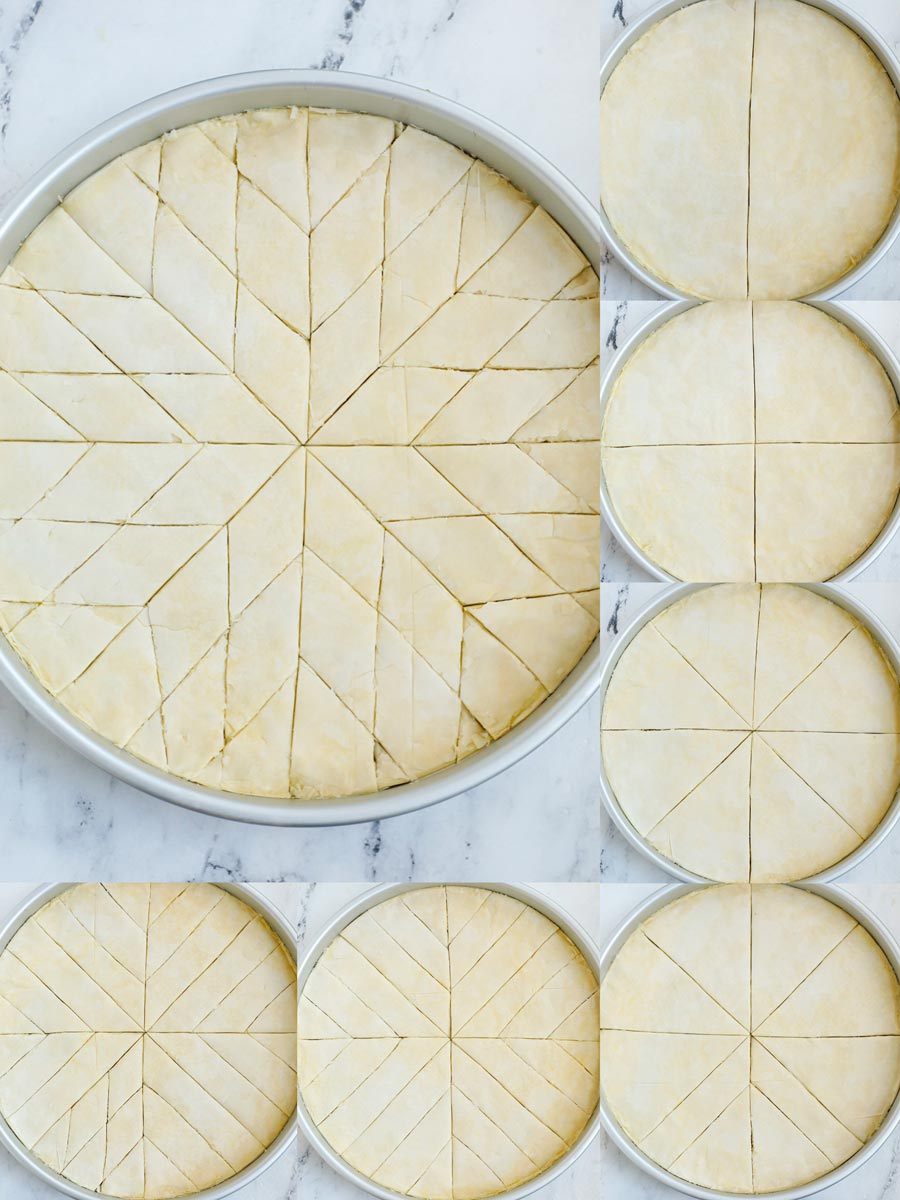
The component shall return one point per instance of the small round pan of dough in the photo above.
(750, 148)
(752, 440)
(449, 1041)
(750, 1038)
(752, 732)
(148, 1038)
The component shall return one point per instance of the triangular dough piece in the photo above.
(805, 530)
(194, 716)
(344, 351)
(430, 905)
(423, 170)
(32, 469)
(108, 406)
(670, 391)
(462, 905)
(415, 1155)
(342, 146)
(257, 760)
(472, 1178)
(391, 407)
(404, 964)
(858, 774)
(200, 183)
(273, 257)
(494, 210)
(665, 1000)
(797, 630)
(144, 161)
(715, 629)
(331, 751)
(720, 1158)
(119, 212)
(825, 1006)
(783, 1156)
(59, 641)
(273, 361)
(271, 151)
(685, 1123)
(853, 691)
(573, 415)
(502, 479)
(436, 1183)
(522, 626)
(161, 1176)
(576, 465)
(535, 262)
(720, 964)
(495, 685)
(816, 381)
(58, 255)
(265, 534)
(783, 956)
(467, 332)
(690, 508)
(148, 743)
(654, 687)
(708, 832)
(856, 1079)
(793, 832)
(565, 545)
(801, 1106)
(647, 1075)
(492, 405)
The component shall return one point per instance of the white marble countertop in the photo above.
(64, 67)
(619, 320)
(318, 904)
(278, 1183)
(883, 281)
(619, 861)
(620, 1180)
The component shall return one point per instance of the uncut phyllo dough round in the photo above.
(749, 148)
(299, 459)
(449, 1043)
(752, 440)
(147, 1037)
(750, 1037)
(753, 732)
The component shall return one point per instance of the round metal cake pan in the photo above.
(883, 638)
(665, 313)
(286, 1138)
(377, 895)
(478, 136)
(841, 12)
(886, 942)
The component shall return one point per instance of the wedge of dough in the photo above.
(674, 154)
(820, 193)
(689, 508)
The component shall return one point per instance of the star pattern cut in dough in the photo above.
(750, 1037)
(299, 453)
(753, 732)
(147, 1037)
(733, 165)
(449, 1043)
(752, 441)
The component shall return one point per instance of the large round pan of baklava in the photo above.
(299, 425)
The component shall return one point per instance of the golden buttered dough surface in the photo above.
(449, 1043)
(752, 441)
(749, 147)
(750, 1037)
(147, 1037)
(299, 423)
(753, 732)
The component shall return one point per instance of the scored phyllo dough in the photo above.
(147, 1037)
(753, 732)
(449, 1043)
(733, 165)
(299, 463)
(752, 441)
(750, 1037)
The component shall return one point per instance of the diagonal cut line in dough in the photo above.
(459, 1046)
(363, 1001)
(756, 1088)
(411, 1133)
(162, 1154)
(699, 673)
(440, 1152)
(730, 1054)
(404, 950)
(700, 782)
(191, 982)
(107, 949)
(186, 932)
(498, 934)
(415, 915)
(185, 1121)
(767, 1046)
(334, 1021)
(396, 987)
(205, 1039)
(837, 944)
(141, 928)
(165, 908)
(762, 720)
(181, 1067)
(404, 1087)
(794, 771)
(549, 1082)
(504, 982)
(693, 980)
(248, 970)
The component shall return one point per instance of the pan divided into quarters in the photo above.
(752, 441)
(299, 446)
(752, 732)
(750, 148)
(750, 1039)
(147, 1039)
(449, 1044)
